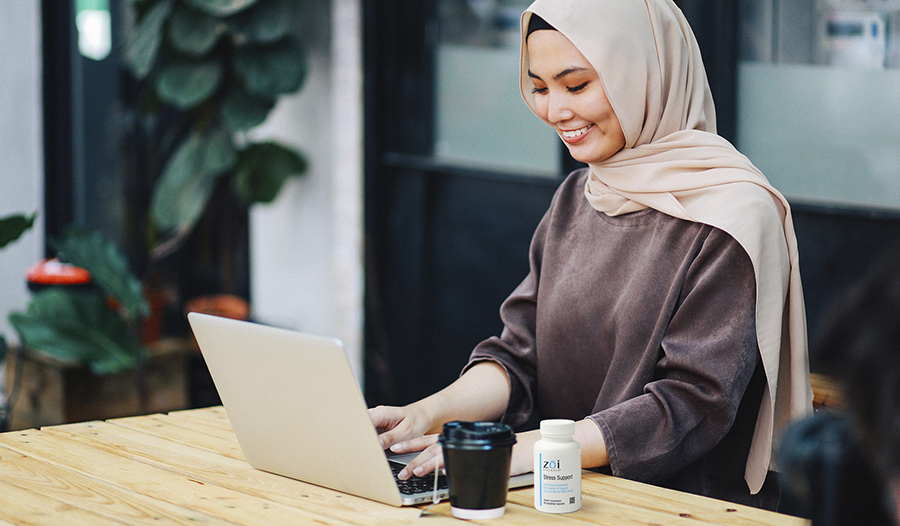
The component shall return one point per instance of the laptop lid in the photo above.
(295, 406)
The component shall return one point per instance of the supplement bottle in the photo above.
(557, 468)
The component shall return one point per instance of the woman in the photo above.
(663, 310)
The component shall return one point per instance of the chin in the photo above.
(587, 159)
(580, 155)
(590, 155)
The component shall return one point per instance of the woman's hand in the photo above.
(399, 424)
(404, 430)
(430, 458)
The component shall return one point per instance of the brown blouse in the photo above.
(645, 324)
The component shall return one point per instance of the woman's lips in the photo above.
(573, 136)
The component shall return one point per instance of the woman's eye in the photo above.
(576, 89)
(539, 91)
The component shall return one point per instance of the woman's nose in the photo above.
(558, 109)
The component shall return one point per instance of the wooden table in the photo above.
(187, 468)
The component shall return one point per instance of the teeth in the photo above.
(575, 133)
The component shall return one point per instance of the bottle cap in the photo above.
(557, 427)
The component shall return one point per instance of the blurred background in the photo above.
(368, 170)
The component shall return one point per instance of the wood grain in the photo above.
(186, 467)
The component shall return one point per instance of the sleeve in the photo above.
(707, 357)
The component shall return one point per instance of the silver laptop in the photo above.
(297, 410)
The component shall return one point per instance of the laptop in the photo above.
(297, 411)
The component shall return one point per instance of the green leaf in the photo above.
(189, 179)
(12, 227)
(242, 111)
(263, 168)
(187, 84)
(193, 33)
(79, 327)
(267, 21)
(218, 152)
(273, 69)
(109, 268)
(143, 44)
(220, 7)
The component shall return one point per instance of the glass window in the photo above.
(481, 119)
(817, 98)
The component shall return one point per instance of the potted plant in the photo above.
(81, 356)
(207, 72)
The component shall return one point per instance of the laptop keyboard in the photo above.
(415, 484)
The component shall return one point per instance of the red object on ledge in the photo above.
(52, 271)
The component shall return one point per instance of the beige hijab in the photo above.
(673, 161)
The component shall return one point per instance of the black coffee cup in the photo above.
(476, 458)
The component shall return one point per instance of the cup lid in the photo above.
(487, 433)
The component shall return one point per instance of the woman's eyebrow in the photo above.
(561, 74)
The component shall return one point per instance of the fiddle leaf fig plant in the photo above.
(221, 65)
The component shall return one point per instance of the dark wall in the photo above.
(715, 24)
(837, 246)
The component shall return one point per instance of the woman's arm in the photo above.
(486, 389)
(479, 394)
(709, 354)
(587, 434)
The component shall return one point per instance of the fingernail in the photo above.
(404, 474)
(419, 471)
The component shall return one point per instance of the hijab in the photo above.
(673, 161)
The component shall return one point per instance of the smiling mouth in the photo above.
(574, 134)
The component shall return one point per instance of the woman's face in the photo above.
(569, 96)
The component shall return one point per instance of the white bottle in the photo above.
(557, 468)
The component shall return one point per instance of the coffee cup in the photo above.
(477, 458)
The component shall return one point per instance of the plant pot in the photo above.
(51, 391)
(224, 305)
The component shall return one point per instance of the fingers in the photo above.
(398, 431)
(386, 421)
(384, 417)
(398, 424)
(430, 459)
(393, 438)
(415, 444)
